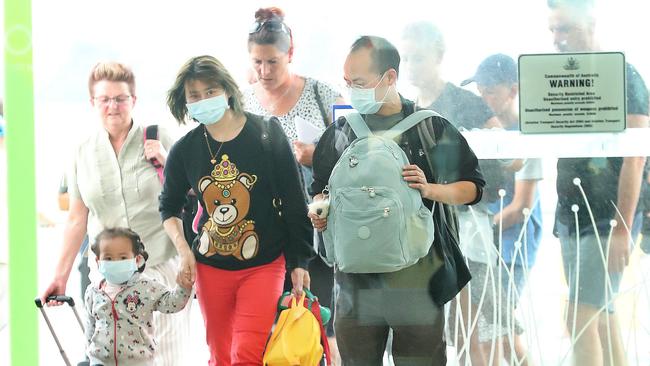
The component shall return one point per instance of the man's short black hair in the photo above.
(383, 54)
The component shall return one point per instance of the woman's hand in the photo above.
(300, 279)
(57, 287)
(187, 271)
(155, 149)
(304, 152)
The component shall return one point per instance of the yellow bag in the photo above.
(296, 338)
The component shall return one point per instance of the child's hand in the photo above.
(184, 281)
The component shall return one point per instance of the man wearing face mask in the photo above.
(408, 301)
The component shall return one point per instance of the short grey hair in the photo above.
(425, 32)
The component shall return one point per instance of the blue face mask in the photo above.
(208, 111)
(118, 272)
(363, 99)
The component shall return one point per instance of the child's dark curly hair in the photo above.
(122, 232)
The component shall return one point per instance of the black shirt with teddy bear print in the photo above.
(240, 227)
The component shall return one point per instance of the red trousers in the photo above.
(238, 309)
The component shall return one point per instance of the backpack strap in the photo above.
(151, 133)
(320, 105)
(358, 125)
(315, 309)
(408, 122)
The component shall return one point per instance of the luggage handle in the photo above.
(61, 298)
(70, 301)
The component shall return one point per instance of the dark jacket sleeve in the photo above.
(299, 248)
(452, 158)
(329, 149)
(176, 186)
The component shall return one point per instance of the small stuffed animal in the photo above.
(320, 208)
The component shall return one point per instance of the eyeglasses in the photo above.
(119, 100)
(273, 25)
(375, 81)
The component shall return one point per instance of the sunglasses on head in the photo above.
(272, 25)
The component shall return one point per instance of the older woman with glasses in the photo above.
(240, 167)
(293, 99)
(113, 183)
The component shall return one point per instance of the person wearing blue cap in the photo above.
(495, 70)
(496, 81)
(594, 268)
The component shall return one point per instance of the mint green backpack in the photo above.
(376, 222)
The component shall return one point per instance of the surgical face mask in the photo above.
(118, 272)
(208, 111)
(363, 99)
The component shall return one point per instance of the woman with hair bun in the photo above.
(290, 97)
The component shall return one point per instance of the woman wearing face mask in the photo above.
(235, 162)
(113, 183)
(293, 99)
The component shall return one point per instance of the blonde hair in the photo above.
(111, 71)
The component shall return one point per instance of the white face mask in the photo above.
(208, 111)
(363, 99)
(118, 272)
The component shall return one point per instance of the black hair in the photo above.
(383, 54)
(122, 232)
(209, 70)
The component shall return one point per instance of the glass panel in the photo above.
(523, 300)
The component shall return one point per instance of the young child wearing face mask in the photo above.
(119, 310)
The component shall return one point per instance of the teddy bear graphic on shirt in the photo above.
(227, 199)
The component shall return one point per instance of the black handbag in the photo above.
(454, 274)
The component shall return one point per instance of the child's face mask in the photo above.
(118, 272)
